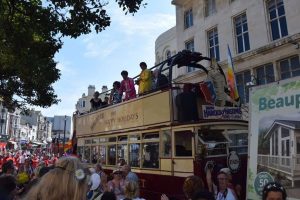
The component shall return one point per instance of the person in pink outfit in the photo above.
(127, 86)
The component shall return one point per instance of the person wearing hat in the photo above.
(224, 192)
(94, 184)
(237, 188)
(117, 184)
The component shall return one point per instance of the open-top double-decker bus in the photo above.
(161, 147)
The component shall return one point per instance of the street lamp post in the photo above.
(58, 141)
(64, 134)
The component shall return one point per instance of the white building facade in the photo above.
(263, 36)
(43, 126)
(61, 125)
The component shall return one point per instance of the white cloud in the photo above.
(124, 29)
(99, 46)
(66, 68)
(146, 25)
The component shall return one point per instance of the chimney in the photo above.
(104, 88)
(91, 90)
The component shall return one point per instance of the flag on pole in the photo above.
(208, 91)
(231, 78)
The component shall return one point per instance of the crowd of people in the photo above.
(25, 175)
(148, 81)
(194, 189)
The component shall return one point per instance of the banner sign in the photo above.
(130, 114)
(274, 148)
(215, 112)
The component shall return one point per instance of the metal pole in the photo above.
(58, 141)
(64, 134)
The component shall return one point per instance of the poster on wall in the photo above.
(274, 150)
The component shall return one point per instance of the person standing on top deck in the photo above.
(115, 96)
(127, 86)
(96, 102)
(145, 80)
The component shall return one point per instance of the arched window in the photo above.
(168, 54)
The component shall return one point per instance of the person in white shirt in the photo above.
(224, 192)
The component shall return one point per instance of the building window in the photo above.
(242, 79)
(273, 145)
(168, 54)
(210, 7)
(265, 74)
(277, 19)
(83, 104)
(213, 41)
(241, 33)
(276, 142)
(298, 145)
(188, 18)
(189, 45)
(285, 132)
(289, 67)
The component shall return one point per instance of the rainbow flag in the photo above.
(231, 78)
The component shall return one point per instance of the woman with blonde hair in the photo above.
(66, 181)
(132, 191)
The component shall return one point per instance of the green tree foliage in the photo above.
(30, 35)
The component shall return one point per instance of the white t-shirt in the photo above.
(22, 159)
(226, 195)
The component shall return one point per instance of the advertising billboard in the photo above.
(274, 150)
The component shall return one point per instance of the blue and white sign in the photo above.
(214, 112)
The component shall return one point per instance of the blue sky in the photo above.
(98, 59)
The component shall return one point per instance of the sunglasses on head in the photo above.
(274, 186)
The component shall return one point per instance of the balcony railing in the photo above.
(290, 165)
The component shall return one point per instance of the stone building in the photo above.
(263, 37)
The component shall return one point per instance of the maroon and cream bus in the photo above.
(146, 132)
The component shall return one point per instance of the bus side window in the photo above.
(122, 152)
(150, 155)
(239, 142)
(95, 154)
(150, 150)
(80, 151)
(102, 154)
(134, 155)
(87, 154)
(166, 144)
(112, 155)
(183, 143)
